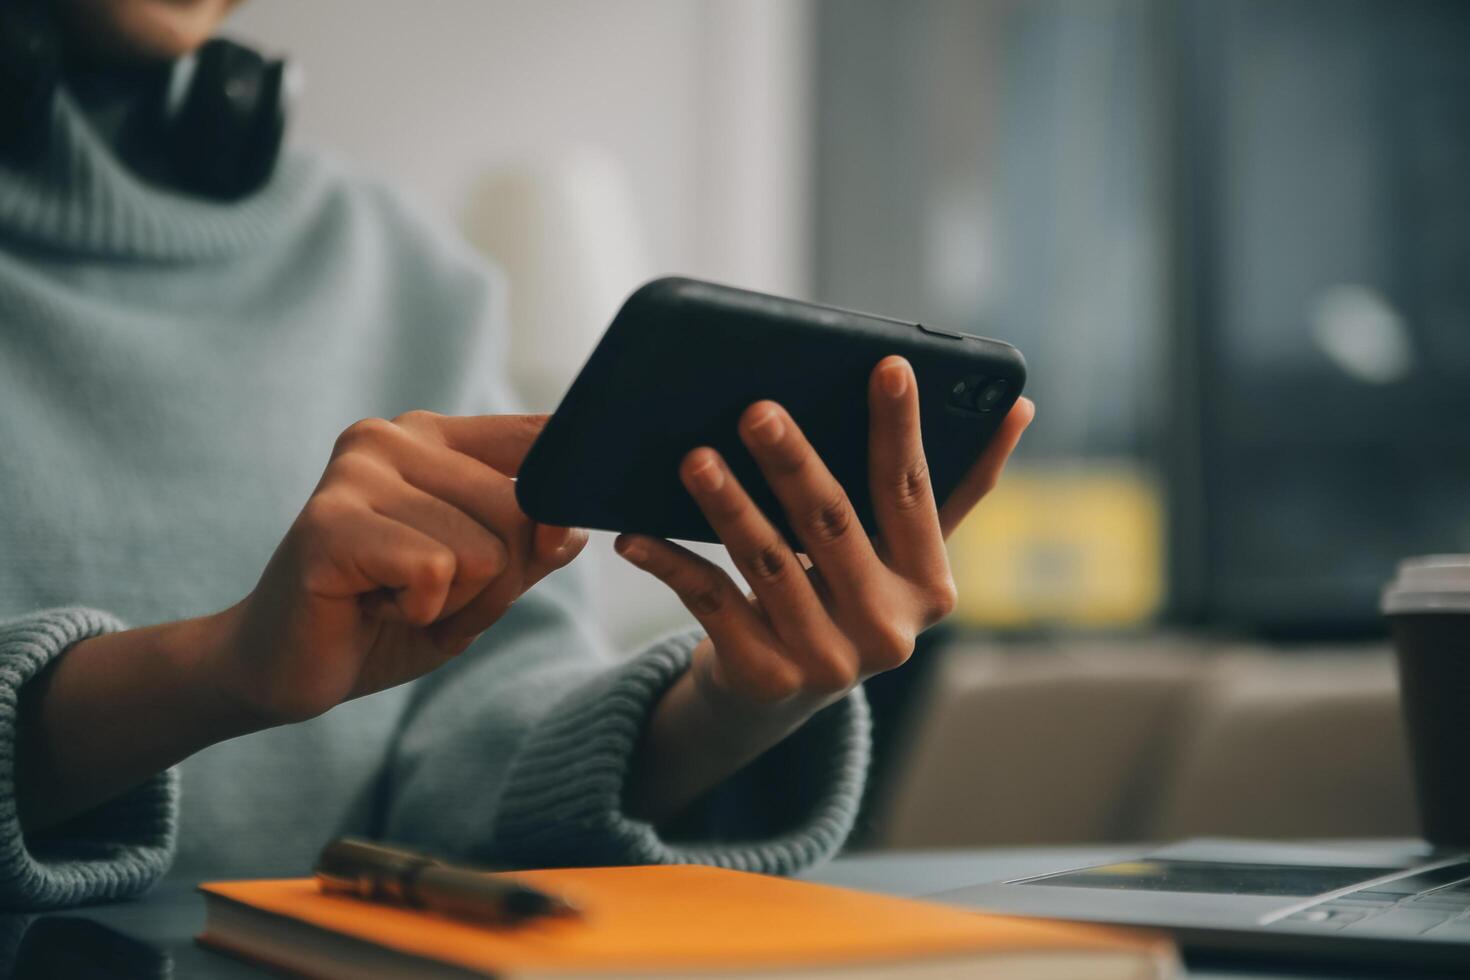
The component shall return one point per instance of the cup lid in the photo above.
(1428, 584)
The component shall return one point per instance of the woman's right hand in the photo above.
(411, 545)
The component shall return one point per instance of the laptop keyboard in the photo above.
(1434, 903)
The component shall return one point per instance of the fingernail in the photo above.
(768, 428)
(557, 537)
(894, 379)
(708, 476)
(633, 551)
(575, 538)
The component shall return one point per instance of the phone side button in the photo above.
(938, 332)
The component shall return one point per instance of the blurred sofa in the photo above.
(1146, 739)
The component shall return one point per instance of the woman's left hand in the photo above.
(807, 636)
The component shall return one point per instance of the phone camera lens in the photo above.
(978, 393)
(990, 396)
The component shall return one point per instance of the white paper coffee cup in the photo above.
(1428, 610)
(1429, 584)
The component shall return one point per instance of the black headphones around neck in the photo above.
(221, 117)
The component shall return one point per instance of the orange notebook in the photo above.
(686, 921)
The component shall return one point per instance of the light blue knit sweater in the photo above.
(172, 375)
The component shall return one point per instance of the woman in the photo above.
(179, 380)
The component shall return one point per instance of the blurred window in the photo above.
(1232, 238)
(994, 166)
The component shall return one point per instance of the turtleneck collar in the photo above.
(76, 196)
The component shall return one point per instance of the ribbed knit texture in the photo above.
(173, 373)
(568, 779)
(79, 198)
(118, 850)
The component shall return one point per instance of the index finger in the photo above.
(986, 472)
(498, 441)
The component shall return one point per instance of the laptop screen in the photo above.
(1212, 877)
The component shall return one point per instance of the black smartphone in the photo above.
(684, 358)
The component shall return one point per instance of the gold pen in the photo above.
(351, 866)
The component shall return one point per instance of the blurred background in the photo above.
(1232, 238)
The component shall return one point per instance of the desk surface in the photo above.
(153, 938)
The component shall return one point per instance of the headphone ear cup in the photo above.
(30, 71)
(227, 132)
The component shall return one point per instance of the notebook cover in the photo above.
(684, 917)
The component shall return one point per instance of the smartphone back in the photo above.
(683, 359)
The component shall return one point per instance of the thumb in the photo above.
(498, 441)
(553, 547)
(982, 477)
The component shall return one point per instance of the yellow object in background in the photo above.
(1078, 543)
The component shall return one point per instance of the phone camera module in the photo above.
(978, 394)
(991, 395)
(962, 395)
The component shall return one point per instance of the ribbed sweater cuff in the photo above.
(112, 852)
(563, 801)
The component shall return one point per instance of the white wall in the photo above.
(702, 101)
(701, 104)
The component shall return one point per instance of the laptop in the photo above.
(1403, 905)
